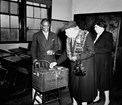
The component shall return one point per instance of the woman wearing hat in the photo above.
(80, 47)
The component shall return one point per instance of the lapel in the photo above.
(100, 38)
(48, 41)
(72, 47)
(43, 38)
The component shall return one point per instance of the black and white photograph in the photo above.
(60, 52)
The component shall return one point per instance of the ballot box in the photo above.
(45, 79)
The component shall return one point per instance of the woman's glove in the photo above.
(52, 64)
(73, 58)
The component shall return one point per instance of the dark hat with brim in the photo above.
(69, 25)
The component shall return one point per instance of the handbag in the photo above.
(78, 69)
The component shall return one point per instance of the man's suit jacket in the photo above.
(40, 46)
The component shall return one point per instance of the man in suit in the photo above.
(43, 47)
(44, 43)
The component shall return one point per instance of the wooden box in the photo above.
(45, 79)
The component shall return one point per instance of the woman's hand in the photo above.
(52, 64)
(73, 58)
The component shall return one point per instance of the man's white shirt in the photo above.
(45, 34)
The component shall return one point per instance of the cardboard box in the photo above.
(49, 79)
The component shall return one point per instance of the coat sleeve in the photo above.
(33, 47)
(89, 49)
(62, 58)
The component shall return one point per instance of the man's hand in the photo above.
(52, 64)
(50, 52)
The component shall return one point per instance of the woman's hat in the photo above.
(69, 25)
